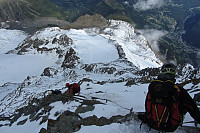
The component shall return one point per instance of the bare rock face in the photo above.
(71, 59)
(88, 21)
(50, 72)
(34, 44)
(66, 123)
(99, 68)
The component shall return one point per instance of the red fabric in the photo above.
(175, 114)
(74, 88)
(75, 85)
(67, 84)
(152, 113)
(71, 91)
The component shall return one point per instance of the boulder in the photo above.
(66, 123)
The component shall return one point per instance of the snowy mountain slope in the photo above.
(102, 60)
(100, 42)
(10, 39)
(95, 49)
(13, 68)
(116, 100)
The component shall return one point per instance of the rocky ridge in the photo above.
(31, 26)
(30, 102)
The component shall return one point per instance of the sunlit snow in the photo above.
(95, 48)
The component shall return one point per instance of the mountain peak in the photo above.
(88, 21)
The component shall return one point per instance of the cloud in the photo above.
(126, 2)
(148, 4)
(152, 37)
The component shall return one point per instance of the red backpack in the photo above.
(74, 88)
(162, 106)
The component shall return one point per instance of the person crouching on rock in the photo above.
(73, 88)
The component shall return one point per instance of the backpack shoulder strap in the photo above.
(157, 80)
(176, 87)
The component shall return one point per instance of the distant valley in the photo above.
(178, 19)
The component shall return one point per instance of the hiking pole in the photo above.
(107, 100)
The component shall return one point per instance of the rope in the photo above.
(77, 98)
(111, 102)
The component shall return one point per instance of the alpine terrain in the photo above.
(112, 48)
(178, 21)
(113, 66)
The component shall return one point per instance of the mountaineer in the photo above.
(166, 103)
(73, 88)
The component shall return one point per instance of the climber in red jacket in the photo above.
(73, 88)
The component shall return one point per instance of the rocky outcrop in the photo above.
(67, 122)
(99, 68)
(71, 59)
(31, 26)
(88, 21)
(34, 44)
(50, 72)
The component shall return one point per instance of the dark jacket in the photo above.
(74, 88)
(186, 102)
(168, 88)
(188, 105)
